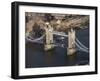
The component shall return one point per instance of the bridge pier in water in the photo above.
(71, 42)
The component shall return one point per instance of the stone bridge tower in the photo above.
(49, 37)
(71, 42)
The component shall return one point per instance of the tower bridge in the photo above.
(73, 42)
(49, 44)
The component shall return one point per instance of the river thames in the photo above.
(36, 57)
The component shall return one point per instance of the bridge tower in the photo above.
(71, 42)
(49, 37)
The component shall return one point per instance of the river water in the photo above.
(36, 57)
